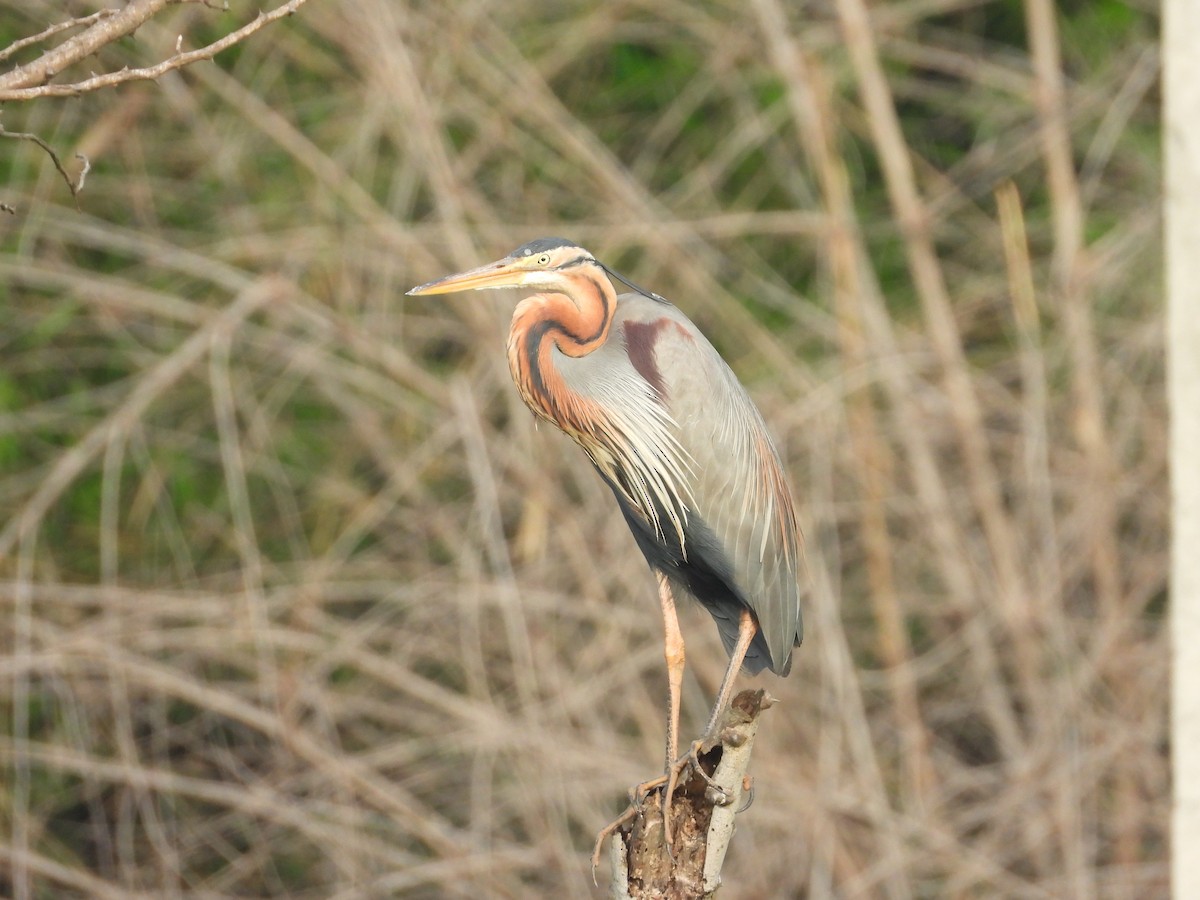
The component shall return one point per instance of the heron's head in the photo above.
(547, 264)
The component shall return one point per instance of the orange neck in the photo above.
(576, 323)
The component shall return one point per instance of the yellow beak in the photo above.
(503, 273)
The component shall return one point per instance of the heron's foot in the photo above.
(639, 793)
(675, 774)
(637, 806)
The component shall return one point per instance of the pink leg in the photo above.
(673, 645)
(747, 629)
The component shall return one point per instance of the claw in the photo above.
(667, 783)
(693, 758)
(748, 789)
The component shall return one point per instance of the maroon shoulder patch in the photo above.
(640, 338)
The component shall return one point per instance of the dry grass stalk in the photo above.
(297, 600)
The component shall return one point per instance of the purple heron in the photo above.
(675, 436)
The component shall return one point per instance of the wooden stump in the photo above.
(702, 818)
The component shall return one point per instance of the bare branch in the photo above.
(703, 819)
(81, 22)
(103, 31)
(27, 82)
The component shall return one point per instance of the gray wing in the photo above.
(740, 490)
(696, 473)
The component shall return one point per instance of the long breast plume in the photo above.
(643, 456)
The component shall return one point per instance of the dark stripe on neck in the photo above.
(543, 329)
(533, 343)
(559, 327)
(605, 319)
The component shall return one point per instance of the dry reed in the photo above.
(297, 601)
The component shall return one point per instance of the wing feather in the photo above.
(691, 463)
(701, 484)
(740, 491)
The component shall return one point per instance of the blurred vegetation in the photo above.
(296, 600)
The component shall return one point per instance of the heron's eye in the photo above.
(544, 259)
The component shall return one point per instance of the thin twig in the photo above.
(21, 84)
(74, 185)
